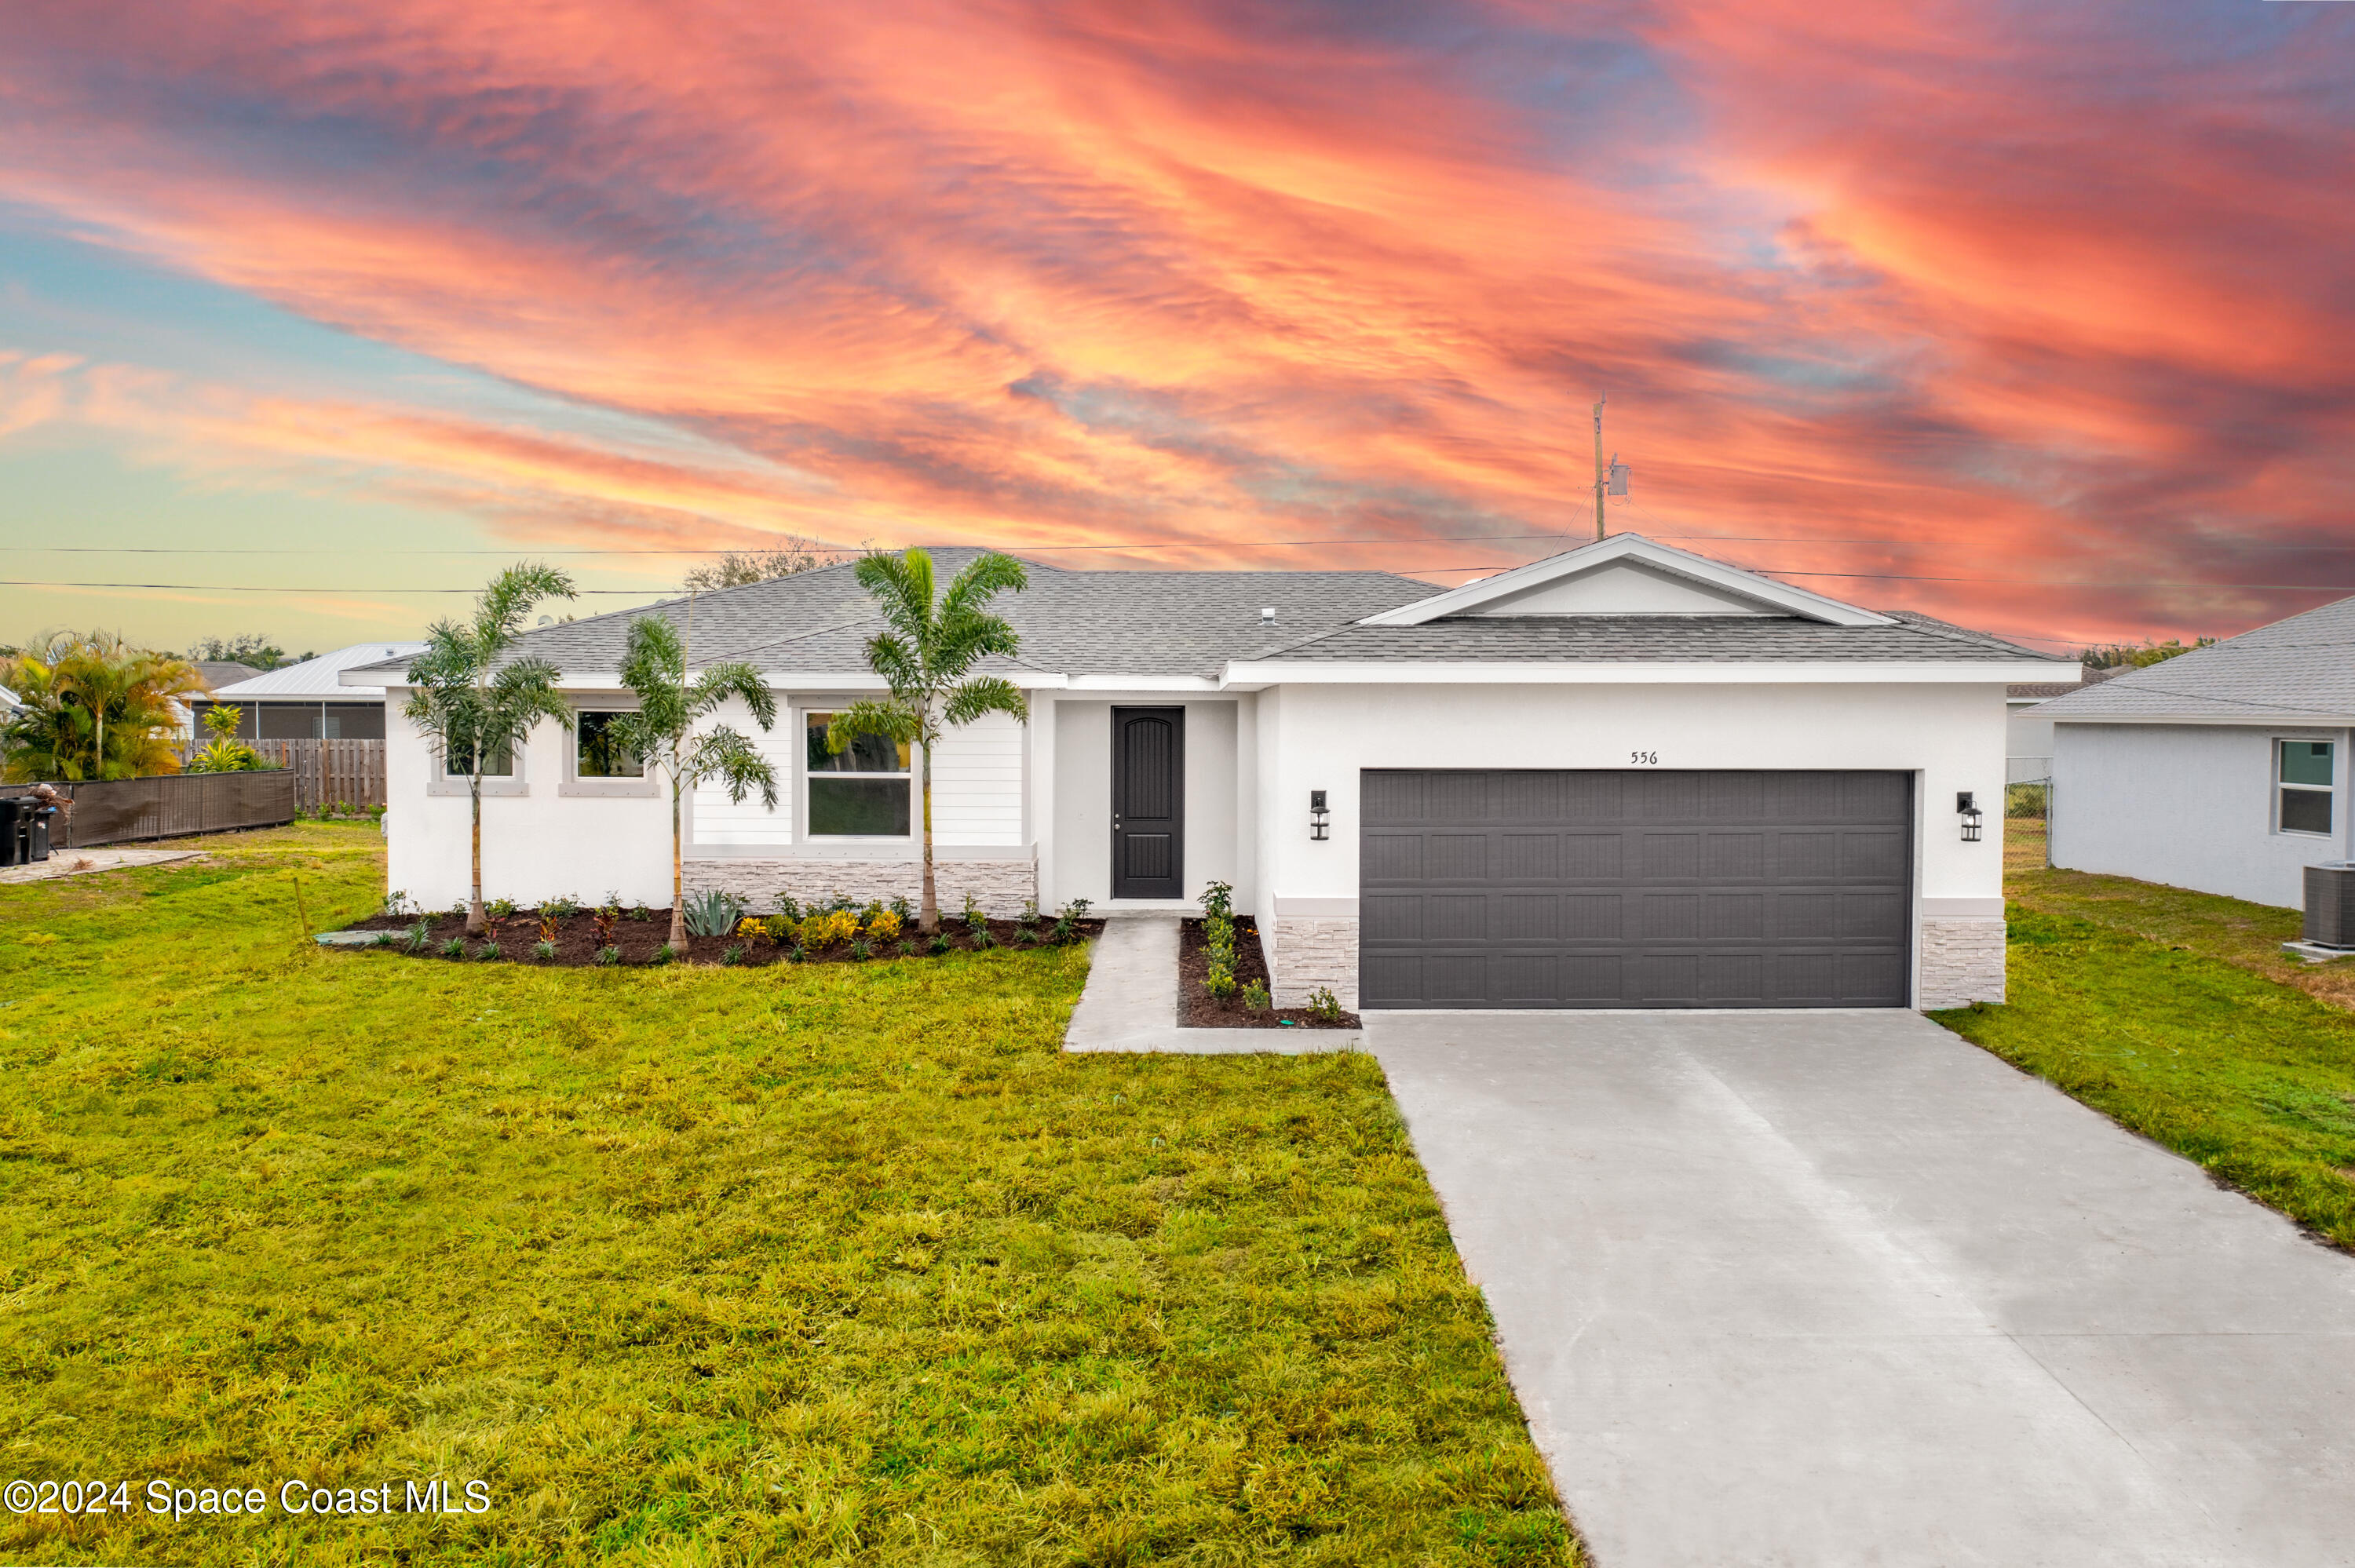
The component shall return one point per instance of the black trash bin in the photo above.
(15, 840)
(37, 832)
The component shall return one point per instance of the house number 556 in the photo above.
(1643, 759)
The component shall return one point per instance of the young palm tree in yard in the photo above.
(925, 658)
(663, 732)
(478, 707)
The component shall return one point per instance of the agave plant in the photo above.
(712, 913)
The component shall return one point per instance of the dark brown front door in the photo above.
(1149, 802)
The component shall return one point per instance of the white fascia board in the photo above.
(358, 676)
(1143, 684)
(2290, 718)
(1255, 674)
(1625, 547)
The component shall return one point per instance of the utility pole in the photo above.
(1599, 471)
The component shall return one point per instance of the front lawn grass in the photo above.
(2198, 1050)
(817, 1265)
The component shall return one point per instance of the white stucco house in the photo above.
(2223, 769)
(1626, 776)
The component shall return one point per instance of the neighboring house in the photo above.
(219, 673)
(310, 700)
(2027, 732)
(9, 702)
(1623, 776)
(2223, 769)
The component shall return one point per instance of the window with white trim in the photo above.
(596, 754)
(459, 763)
(2303, 771)
(859, 792)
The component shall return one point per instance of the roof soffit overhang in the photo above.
(1767, 594)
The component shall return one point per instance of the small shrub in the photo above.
(663, 955)
(1256, 997)
(639, 911)
(884, 925)
(382, 939)
(1066, 929)
(975, 920)
(455, 947)
(800, 955)
(789, 909)
(498, 909)
(861, 949)
(1028, 920)
(543, 949)
(1325, 1005)
(396, 903)
(1027, 936)
(712, 913)
(607, 915)
(1218, 901)
(782, 929)
(754, 928)
(1220, 981)
(820, 931)
(903, 909)
(607, 957)
(908, 949)
(489, 950)
(938, 945)
(560, 908)
(416, 938)
(982, 940)
(733, 956)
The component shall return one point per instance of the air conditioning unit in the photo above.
(2330, 904)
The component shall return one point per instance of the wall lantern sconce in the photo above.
(1317, 815)
(1968, 807)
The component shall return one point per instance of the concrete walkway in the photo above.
(1131, 1002)
(74, 861)
(1840, 1289)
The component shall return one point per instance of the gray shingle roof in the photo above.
(2300, 668)
(1654, 638)
(1160, 623)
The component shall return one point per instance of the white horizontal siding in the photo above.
(978, 783)
(719, 820)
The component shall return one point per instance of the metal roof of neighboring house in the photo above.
(1180, 623)
(318, 678)
(9, 699)
(2298, 669)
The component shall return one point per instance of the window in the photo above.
(859, 792)
(460, 763)
(2303, 770)
(598, 754)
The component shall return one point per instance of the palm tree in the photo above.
(95, 708)
(662, 732)
(479, 702)
(924, 658)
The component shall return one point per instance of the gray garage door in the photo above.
(1644, 888)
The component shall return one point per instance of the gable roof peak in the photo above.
(1695, 585)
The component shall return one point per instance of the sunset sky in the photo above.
(2037, 316)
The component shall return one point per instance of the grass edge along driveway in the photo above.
(2187, 1040)
(839, 1265)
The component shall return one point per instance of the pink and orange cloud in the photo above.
(2052, 297)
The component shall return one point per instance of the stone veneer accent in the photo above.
(1003, 886)
(1962, 962)
(1305, 953)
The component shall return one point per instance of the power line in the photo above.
(1029, 549)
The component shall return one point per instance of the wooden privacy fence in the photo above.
(345, 772)
(126, 809)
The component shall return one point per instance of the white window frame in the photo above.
(444, 782)
(913, 777)
(2329, 790)
(649, 782)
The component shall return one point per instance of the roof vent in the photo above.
(1266, 614)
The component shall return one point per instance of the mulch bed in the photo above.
(1197, 1009)
(639, 935)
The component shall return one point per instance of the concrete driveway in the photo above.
(1829, 1288)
